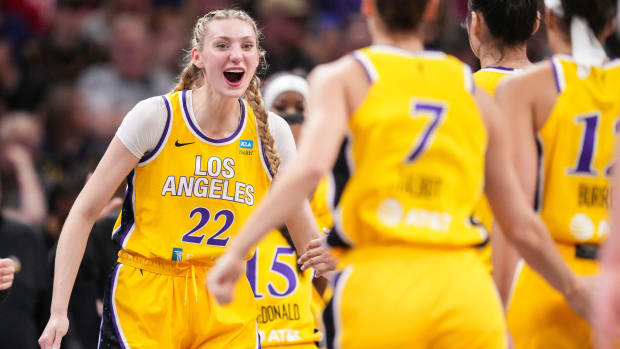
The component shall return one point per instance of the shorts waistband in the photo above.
(586, 251)
(161, 266)
(581, 251)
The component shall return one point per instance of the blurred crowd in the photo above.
(71, 69)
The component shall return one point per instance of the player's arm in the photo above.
(140, 131)
(531, 88)
(608, 302)
(116, 163)
(520, 224)
(323, 134)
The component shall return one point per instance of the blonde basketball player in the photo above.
(197, 161)
(413, 164)
(571, 105)
(498, 35)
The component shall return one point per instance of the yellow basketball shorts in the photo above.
(539, 317)
(160, 304)
(413, 297)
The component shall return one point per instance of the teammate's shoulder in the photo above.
(338, 68)
(531, 79)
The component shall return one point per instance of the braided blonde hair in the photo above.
(192, 77)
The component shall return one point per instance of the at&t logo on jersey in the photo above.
(246, 144)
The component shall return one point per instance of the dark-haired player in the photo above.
(571, 105)
(410, 173)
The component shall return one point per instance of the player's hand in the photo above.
(56, 328)
(317, 256)
(581, 298)
(221, 280)
(7, 271)
(607, 311)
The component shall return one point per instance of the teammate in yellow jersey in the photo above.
(498, 35)
(197, 162)
(283, 291)
(570, 104)
(412, 170)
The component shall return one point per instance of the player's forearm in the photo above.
(534, 244)
(303, 227)
(286, 195)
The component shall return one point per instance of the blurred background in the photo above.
(71, 69)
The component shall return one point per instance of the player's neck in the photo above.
(512, 57)
(217, 115)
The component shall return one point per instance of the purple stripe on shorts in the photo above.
(112, 291)
(202, 135)
(163, 136)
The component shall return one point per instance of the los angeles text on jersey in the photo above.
(206, 184)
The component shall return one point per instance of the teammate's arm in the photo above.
(116, 163)
(520, 224)
(323, 134)
(520, 115)
(608, 302)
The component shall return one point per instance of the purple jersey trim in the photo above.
(267, 161)
(366, 65)
(113, 308)
(202, 135)
(500, 68)
(148, 156)
(131, 220)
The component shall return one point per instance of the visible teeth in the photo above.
(234, 71)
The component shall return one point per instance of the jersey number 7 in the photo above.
(437, 111)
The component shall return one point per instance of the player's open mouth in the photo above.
(234, 76)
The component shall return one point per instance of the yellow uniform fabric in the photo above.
(415, 154)
(406, 183)
(184, 202)
(187, 199)
(577, 142)
(537, 314)
(414, 297)
(283, 294)
(321, 211)
(488, 79)
(577, 151)
(163, 304)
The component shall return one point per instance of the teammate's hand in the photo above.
(607, 311)
(222, 278)
(56, 328)
(7, 270)
(317, 256)
(581, 299)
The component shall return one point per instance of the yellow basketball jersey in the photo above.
(488, 79)
(411, 169)
(283, 294)
(189, 196)
(578, 142)
(322, 214)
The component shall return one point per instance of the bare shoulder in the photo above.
(342, 69)
(344, 77)
(534, 88)
(537, 77)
